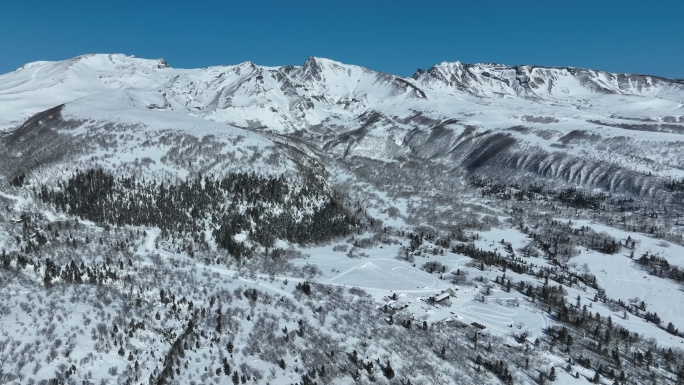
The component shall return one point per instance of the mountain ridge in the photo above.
(465, 77)
(486, 118)
(162, 63)
(288, 93)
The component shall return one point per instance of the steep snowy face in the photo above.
(291, 97)
(339, 81)
(535, 82)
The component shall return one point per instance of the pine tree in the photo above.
(388, 371)
(226, 366)
(670, 328)
(219, 321)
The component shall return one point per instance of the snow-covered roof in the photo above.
(441, 297)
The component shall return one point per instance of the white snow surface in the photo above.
(149, 101)
(643, 116)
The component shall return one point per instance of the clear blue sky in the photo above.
(392, 36)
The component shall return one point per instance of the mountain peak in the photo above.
(245, 68)
(316, 64)
(313, 68)
(321, 61)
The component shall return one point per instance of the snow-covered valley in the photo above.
(324, 223)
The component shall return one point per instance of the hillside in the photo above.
(325, 223)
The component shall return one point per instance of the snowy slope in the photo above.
(546, 122)
(542, 82)
(442, 278)
(320, 87)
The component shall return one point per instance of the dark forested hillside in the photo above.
(265, 208)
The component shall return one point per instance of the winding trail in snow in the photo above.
(666, 282)
(458, 262)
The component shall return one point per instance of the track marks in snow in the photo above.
(491, 315)
(387, 274)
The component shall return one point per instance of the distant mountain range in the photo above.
(578, 126)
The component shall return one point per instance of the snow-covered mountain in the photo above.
(237, 94)
(290, 97)
(542, 82)
(580, 126)
(326, 223)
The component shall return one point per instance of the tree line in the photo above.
(264, 208)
